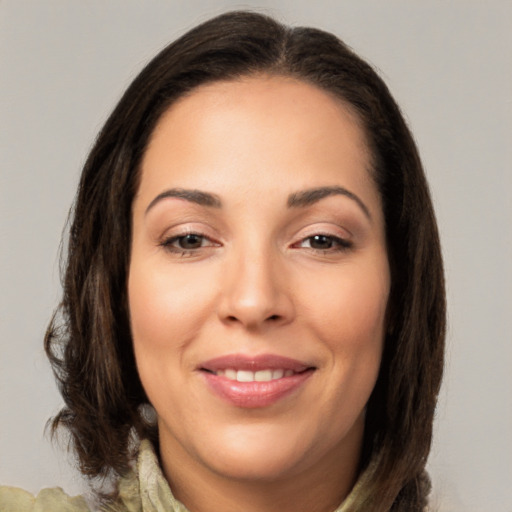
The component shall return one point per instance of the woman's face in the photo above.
(258, 280)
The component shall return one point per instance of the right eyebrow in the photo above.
(194, 196)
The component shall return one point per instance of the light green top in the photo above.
(145, 490)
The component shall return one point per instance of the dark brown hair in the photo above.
(89, 342)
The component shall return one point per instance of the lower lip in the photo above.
(252, 395)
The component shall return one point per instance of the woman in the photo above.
(254, 257)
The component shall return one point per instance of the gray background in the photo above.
(63, 65)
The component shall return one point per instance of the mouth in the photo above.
(255, 382)
(250, 376)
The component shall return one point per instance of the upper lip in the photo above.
(253, 363)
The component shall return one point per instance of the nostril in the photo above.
(273, 317)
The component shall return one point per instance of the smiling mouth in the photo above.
(266, 375)
(255, 382)
(257, 368)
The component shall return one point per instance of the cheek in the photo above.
(351, 308)
(350, 316)
(165, 310)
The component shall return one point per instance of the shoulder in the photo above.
(13, 499)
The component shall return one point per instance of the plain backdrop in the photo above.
(64, 64)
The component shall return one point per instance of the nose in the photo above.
(256, 293)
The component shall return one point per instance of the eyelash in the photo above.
(337, 244)
(167, 244)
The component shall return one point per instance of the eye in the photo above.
(190, 241)
(187, 244)
(321, 242)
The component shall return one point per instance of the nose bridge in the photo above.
(254, 294)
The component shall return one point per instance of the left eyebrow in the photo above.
(311, 196)
(193, 196)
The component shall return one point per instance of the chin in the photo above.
(263, 464)
(265, 452)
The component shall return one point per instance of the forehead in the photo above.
(262, 96)
(279, 129)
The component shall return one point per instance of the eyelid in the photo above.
(339, 244)
(174, 238)
(175, 233)
(184, 228)
(324, 228)
(342, 239)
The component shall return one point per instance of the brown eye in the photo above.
(325, 243)
(190, 244)
(191, 241)
(185, 243)
(321, 242)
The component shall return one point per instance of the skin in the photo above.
(257, 282)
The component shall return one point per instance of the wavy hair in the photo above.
(88, 340)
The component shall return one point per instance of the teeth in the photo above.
(229, 374)
(258, 376)
(244, 376)
(277, 374)
(263, 375)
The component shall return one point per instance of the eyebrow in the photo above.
(299, 199)
(194, 196)
(311, 196)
